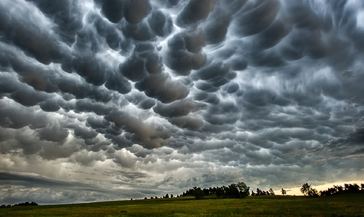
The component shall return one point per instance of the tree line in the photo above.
(19, 204)
(238, 190)
(260, 192)
(307, 190)
(241, 190)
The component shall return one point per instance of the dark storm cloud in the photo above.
(17, 117)
(184, 52)
(136, 10)
(27, 32)
(113, 10)
(255, 17)
(216, 27)
(147, 136)
(161, 87)
(171, 89)
(142, 62)
(160, 23)
(53, 133)
(187, 122)
(70, 191)
(37, 181)
(195, 11)
(65, 14)
(177, 108)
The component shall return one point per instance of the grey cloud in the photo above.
(134, 69)
(118, 83)
(32, 33)
(15, 116)
(255, 17)
(216, 28)
(70, 191)
(141, 100)
(113, 10)
(97, 123)
(84, 133)
(50, 105)
(184, 52)
(147, 103)
(161, 87)
(65, 14)
(143, 61)
(53, 133)
(160, 23)
(140, 31)
(33, 181)
(91, 69)
(207, 97)
(136, 10)
(195, 11)
(148, 136)
(217, 114)
(188, 122)
(47, 79)
(177, 108)
(216, 73)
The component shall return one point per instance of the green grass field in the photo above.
(349, 205)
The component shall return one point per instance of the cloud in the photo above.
(163, 88)
(194, 12)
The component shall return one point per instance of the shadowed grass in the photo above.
(345, 205)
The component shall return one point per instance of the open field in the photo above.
(352, 205)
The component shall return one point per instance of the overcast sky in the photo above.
(103, 100)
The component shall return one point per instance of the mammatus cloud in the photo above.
(136, 95)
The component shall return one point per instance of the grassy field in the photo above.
(252, 206)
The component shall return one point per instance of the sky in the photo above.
(118, 99)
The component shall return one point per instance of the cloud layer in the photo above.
(133, 95)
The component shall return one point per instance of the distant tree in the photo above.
(271, 192)
(284, 192)
(145, 198)
(347, 188)
(171, 195)
(243, 189)
(352, 188)
(259, 192)
(238, 190)
(198, 192)
(307, 190)
(339, 188)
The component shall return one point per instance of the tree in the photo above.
(243, 189)
(259, 192)
(307, 190)
(198, 192)
(284, 192)
(271, 192)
